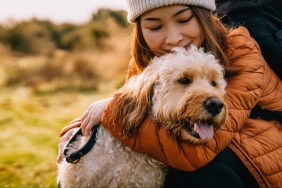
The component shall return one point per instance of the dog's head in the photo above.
(183, 91)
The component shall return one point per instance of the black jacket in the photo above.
(263, 19)
(231, 6)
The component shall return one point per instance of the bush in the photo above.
(33, 37)
(42, 36)
(61, 36)
(120, 17)
(58, 71)
(66, 56)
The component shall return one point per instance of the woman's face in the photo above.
(172, 26)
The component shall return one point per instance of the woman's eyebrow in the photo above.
(179, 12)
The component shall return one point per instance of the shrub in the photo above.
(32, 37)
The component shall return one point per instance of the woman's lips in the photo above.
(187, 46)
(164, 51)
(167, 51)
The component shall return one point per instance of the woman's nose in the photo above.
(173, 37)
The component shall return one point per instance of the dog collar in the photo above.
(75, 156)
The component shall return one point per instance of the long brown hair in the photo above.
(214, 40)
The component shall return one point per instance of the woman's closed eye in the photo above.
(182, 21)
(155, 28)
(186, 20)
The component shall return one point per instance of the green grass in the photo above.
(30, 124)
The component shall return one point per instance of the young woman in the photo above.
(244, 152)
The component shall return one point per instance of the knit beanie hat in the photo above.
(137, 7)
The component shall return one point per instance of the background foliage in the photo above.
(49, 74)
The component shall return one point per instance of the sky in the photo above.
(60, 11)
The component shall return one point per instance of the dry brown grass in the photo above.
(62, 70)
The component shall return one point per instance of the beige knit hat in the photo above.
(137, 7)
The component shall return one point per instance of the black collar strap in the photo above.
(75, 156)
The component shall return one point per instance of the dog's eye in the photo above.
(213, 83)
(184, 81)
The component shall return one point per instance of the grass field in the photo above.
(30, 124)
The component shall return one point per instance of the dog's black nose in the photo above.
(213, 105)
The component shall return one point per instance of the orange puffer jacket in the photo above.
(258, 143)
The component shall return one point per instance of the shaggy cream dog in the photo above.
(183, 90)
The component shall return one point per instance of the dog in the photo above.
(183, 91)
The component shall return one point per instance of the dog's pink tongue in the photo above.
(204, 130)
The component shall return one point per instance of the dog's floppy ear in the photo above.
(135, 100)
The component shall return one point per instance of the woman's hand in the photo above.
(89, 119)
(92, 116)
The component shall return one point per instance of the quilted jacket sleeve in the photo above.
(243, 92)
(271, 95)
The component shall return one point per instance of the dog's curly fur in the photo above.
(183, 90)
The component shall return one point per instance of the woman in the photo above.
(253, 156)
